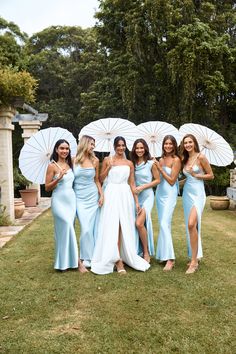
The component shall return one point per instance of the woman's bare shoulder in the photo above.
(129, 163)
(51, 166)
(201, 157)
(106, 159)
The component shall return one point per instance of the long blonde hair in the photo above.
(83, 149)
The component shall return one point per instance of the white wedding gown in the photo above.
(118, 209)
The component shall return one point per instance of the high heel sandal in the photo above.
(147, 257)
(169, 266)
(120, 267)
(192, 268)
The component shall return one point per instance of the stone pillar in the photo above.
(233, 178)
(30, 128)
(6, 163)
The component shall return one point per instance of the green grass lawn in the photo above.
(43, 311)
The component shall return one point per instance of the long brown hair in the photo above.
(116, 141)
(183, 153)
(133, 155)
(175, 146)
(54, 155)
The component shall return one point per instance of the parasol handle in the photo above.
(57, 165)
(196, 158)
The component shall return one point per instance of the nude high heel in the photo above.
(120, 267)
(192, 268)
(169, 266)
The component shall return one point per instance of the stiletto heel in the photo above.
(169, 266)
(120, 267)
(192, 268)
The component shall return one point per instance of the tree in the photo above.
(172, 60)
(67, 62)
(11, 45)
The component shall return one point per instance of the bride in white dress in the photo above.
(115, 242)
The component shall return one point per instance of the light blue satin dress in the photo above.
(143, 175)
(63, 210)
(166, 198)
(87, 210)
(194, 196)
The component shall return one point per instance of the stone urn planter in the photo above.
(19, 208)
(219, 203)
(29, 196)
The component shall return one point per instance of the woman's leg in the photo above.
(193, 233)
(119, 264)
(140, 221)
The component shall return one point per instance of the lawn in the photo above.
(43, 311)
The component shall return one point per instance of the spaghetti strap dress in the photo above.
(63, 210)
(166, 198)
(117, 213)
(194, 196)
(87, 210)
(143, 175)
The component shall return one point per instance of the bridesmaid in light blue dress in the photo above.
(89, 197)
(146, 177)
(59, 179)
(196, 168)
(169, 167)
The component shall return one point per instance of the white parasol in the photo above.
(105, 130)
(217, 150)
(35, 154)
(153, 133)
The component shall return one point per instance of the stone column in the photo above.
(30, 128)
(6, 163)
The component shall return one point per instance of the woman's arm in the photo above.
(174, 171)
(97, 182)
(106, 166)
(182, 182)
(155, 181)
(51, 182)
(206, 168)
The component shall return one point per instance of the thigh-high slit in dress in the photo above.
(194, 196)
(117, 213)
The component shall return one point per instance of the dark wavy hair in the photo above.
(183, 153)
(134, 156)
(175, 146)
(54, 155)
(116, 141)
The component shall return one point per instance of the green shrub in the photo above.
(20, 182)
(218, 185)
(14, 84)
(4, 218)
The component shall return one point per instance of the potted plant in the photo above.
(28, 195)
(19, 208)
(217, 187)
(16, 85)
(219, 202)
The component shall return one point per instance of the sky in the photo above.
(34, 15)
